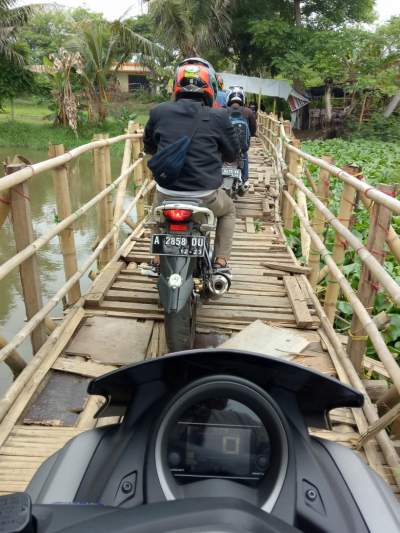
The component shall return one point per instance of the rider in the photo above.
(214, 142)
(236, 103)
(221, 95)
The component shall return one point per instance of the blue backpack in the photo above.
(241, 125)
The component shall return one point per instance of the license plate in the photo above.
(232, 172)
(178, 245)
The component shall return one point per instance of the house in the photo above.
(132, 76)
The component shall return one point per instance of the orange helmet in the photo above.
(195, 79)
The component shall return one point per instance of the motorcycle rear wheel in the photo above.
(180, 328)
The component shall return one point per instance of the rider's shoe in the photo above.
(244, 187)
(152, 270)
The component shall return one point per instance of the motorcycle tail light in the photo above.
(179, 227)
(178, 215)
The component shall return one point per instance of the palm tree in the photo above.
(11, 18)
(103, 47)
(192, 27)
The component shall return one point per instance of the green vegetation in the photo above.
(33, 125)
(380, 162)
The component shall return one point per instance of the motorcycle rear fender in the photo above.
(173, 300)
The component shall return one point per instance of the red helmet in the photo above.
(220, 81)
(195, 79)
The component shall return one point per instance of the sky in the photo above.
(115, 9)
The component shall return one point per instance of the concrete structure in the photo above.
(132, 76)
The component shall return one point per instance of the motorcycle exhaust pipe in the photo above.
(219, 284)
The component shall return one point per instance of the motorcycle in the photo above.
(233, 183)
(186, 275)
(210, 440)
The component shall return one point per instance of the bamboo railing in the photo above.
(381, 202)
(15, 191)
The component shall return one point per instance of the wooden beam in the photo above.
(102, 283)
(299, 303)
(295, 269)
(29, 271)
(64, 210)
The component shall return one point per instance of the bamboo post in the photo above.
(14, 361)
(318, 222)
(304, 236)
(109, 198)
(126, 162)
(5, 198)
(64, 210)
(294, 167)
(137, 150)
(339, 249)
(368, 287)
(100, 183)
(29, 272)
(392, 238)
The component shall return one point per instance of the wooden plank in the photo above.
(267, 340)
(42, 362)
(295, 269)
(111, 341)
(250, 225)
(60, 401)
(84, 368)
(101, 285)
(299, 304)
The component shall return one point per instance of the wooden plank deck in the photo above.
(46, 415)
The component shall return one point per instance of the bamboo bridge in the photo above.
(119, 320)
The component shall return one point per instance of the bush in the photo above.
(376, 128)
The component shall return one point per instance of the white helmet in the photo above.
(236, 95)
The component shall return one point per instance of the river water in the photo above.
(43, 206)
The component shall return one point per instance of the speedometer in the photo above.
(222, 436)
(219, 438)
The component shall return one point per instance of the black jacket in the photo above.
(215, 141)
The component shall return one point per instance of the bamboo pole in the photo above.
(368, 323)
(339, 249)
(323, 273)
(64, 210)
(29, 271)
(33, 170)
(137, 151)
(109, 198)
(5, 197)
(383, 439)
(375, 267)
(392, 238)
(30, 250)
(369, 191)
(318, 222)
(367, 288)
(294, 166)
(304, 236)
(121, 191)
(380, 424)
(100, 185)
(36, 369)
(52, 302)
(14, 361)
